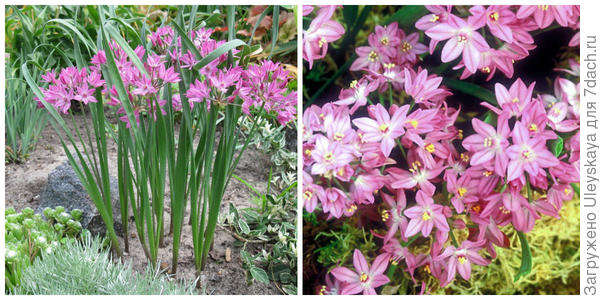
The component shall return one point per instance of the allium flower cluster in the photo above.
(409, 165)
(511, 25)
(264, 84)
(322, 31)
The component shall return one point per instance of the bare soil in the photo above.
(25, 182)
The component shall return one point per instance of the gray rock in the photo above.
(65, 189)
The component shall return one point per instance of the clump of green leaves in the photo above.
(86, 268)
(270, 139)
(272, 224)
(28, 235)
(339, 244)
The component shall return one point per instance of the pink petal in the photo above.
(344, 274)
(452, 49)
(471, 57)
(360, 263)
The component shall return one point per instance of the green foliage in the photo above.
(86, 268)
(271, 140)
(28, 235)
(338, 244)
(273, 223)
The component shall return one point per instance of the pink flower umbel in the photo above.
(489, 144)
(424, 216)
(460, 259)
(383, 129)
(366, 278)
(462, 39)
(529, 155)
(322, 30)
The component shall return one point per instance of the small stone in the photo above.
(65, 189)
(228, 254)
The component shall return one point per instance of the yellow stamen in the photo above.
(353, 84)
(352, 208)
(462, 191)
(340, 172)
(406, 46)
(462, 38)
(385, 40)
(476, 208)
(567, 191)
(427, 269)
(527, 154)
(460, 134)
(434, 18)
(373, 56)
(338, 136)
(308, 152)
(384, 128)
(385, 215)
(515, 100)
(414, 123)
(322, 42)
(543, 7)
(487, 173)
(464, 157)
(389, 66)
(486, 70)
(308, 195)
(430, 148)
(328, 157)
(363, 277)
(426, 216)
(533, 128)
(322, 290)
(488, 142)
(504, 210)
(494, 16)
(462, 260)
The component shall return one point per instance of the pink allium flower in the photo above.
(320, 33)
(424, 216)
(529, 155)
(489, 144)
(462, 39)
(544, 15)
(312, 193)
(329, 156)
(410, 48)
(421, 87)
(383, 129)
(366, 278)
(357, 94)
(465, 191)
(460, 259)
(402, 179)
(516, 98)
(497, 18)
(387, 38)
(393, 217)
(334, 202)
(370, 57)
(364, 186)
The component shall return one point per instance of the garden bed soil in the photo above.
(25, 182)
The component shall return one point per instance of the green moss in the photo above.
(555, 249)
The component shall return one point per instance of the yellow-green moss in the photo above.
(554, 246)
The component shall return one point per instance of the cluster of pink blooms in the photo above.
(322, 31)
(258, 85)
(511, 26)
(496, 172)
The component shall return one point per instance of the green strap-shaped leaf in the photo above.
(472, 89)
(526, 262)
(211, 56)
